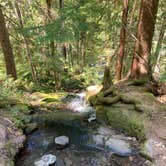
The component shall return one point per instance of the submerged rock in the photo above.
(40, 163)
(61, 141)
(119, 147)
(98, 139)
(46, 160)
(68, 162)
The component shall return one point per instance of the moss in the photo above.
(31, 127)
(129, 99)
(145, 151)
(46, 100)
(49, 100)
(111, 91)
(138, 82)
(101, 113)
(108, 100)
(22, 108)
(92, 100)
(126, 119)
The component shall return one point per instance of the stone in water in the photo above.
(49, 159)
(40, 163)
(46, 160)
(61, 141)
(119, 147)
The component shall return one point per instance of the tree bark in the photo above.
(61, 4)
(6, 47)
(160, 40)
(140, 64)
(64, 49)
(33, 72)
(49, 17)
(121, 52)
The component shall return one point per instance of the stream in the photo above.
(91, 141)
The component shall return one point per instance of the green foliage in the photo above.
(9, 92)
(14, 102)
(163, 77)
(18, 116)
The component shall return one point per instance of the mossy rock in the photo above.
(101, 113)
(124, 117)
(47, 100)
(147, 151)
(59, 116)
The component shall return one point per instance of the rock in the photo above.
(154, 150)
(119, 147)
(61, 141)
(46, 160)
(99, 139)
(49, 159)
(11, 140)
(59, 162)
(147, 150)
(93, 90)
(3, 136)
(105, 131)
(92, 117)
(40, 163)
(68, 162)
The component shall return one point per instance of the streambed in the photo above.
(91, 143)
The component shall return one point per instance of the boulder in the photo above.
(61, 141)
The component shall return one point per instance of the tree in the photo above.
(160, 40)
(32, 67)
(64, 49)
(121, 52)
(147, 17)
(6, 47)
(49, 17)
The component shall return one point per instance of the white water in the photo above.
(79, 104)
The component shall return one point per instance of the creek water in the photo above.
(92, 142)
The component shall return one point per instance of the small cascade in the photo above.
(79, 104)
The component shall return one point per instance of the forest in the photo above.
(82, 82)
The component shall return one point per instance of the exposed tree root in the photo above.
(108, 100)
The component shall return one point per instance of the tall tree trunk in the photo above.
(121, 52)
(160, 40)
(140, 65)
(61, 4)
(49, 17)
(64, 49)
(6, 47)
(32, 67)
(83, 47)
